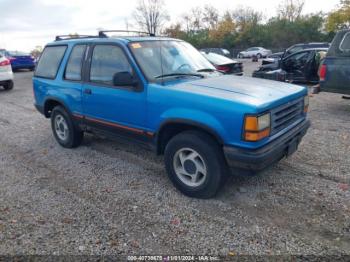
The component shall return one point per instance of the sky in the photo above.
(25, 24)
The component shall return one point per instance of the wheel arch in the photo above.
(172, 127)
(50, 103)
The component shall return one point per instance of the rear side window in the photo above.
(50, 61)
(74, 65)
(345, 43)
(107, 60)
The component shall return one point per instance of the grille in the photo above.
(287, 114)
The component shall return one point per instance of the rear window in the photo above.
(50, 61)
(345, 43)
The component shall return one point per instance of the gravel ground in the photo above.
(109, 197)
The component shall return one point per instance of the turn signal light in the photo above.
(257, 127)
(256, 136)
(306, 104)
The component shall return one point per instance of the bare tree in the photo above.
(150, 15)
(290, 9)
(199, 18)
(245, 17)
(210, 17)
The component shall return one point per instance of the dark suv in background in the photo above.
(299, 47)
(335, 70)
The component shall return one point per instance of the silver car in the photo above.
(259, 52)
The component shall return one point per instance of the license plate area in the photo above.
(292, 146)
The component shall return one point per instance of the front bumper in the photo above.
(251, 161)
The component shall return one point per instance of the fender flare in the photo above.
(195, 124)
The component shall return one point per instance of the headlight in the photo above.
(306, 104)
(257, 127)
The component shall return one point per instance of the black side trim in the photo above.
(117, 131)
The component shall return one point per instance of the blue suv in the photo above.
(164, 94)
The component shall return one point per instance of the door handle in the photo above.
(87, 91)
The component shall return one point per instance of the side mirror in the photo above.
(124, 79)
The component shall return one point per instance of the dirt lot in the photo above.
(109, 197)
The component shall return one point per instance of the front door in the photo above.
(296, 65)
(107, 104)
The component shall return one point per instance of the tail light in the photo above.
(225, 69)
(323, 72)
(5, 63)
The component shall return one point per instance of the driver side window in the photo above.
(106, 61)
(297, 59)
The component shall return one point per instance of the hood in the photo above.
(256, 92)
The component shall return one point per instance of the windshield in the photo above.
(168, 57)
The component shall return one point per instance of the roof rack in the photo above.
(68, 37)
(102, 33)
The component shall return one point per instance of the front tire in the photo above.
(9, 85)
(259, 56)
(195, 164)
(64, 130)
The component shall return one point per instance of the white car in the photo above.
(259, 52)
(6, 75)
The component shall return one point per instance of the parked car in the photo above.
(19, 60)
(300, 47)
(224, 64)
(6, 75)
(219, 51)
(301, 66)
(335, 69)
(276, 57)
(259, 52)
(273, 58)
(162, 93)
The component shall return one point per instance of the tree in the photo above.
(339, 19)
(210, 17)
(245, 17)
(223, 33)
(150, 15)
(290, 9)
(36, 52)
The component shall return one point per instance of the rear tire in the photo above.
(259, 56)
(9, 85)
(195, 164)
(64, 130)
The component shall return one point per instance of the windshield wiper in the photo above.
(179, 74)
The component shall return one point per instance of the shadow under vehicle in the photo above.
(301, 66)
